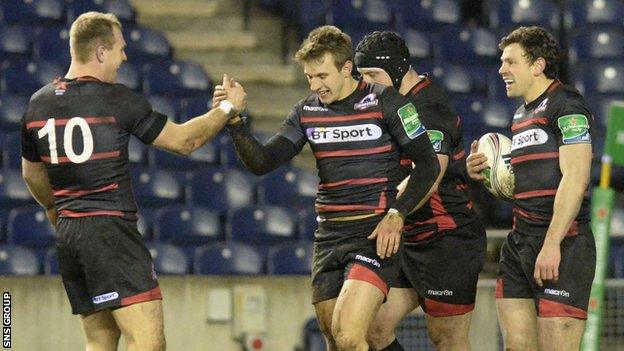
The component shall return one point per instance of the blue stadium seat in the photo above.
(178, 78)
(221, 189)
(26, 76)
(466, 45)
(30, 227)
(457, 79)
(602, 12)
(418, 43)
(514, 13)
(12, 108)
(137, 151)
(11, 151)
(262, 225)
(4, 214)
(34, 12)
(295, 258)
(13, 190)
(288, 186)
(496, 86)
(165, 105)
(600, 106)
(227, 259)
(169, 259)
(308, 14)
(188, 226)
(307, 223)
(428, 15)
(145, 223)
(156, 188)
(193, 107)
(52, 45)
(206, 155)
(601, 78)
(470, 109)
(131, 76)
(15, 42)
(50, 263)
(147, 45)
(353, 14)
(313, 339)
(600, 43)
(17, 260)
(497, 115)
(121, 8)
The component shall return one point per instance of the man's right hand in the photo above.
(476, 162)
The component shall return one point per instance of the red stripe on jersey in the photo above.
(531, 157)
(463, 186)
(360, 181)
(96, 156)
(420, 85)
(406, 162)
(549, 308)
(356, 152)
(345, 118)
(363, 273)
(153, 294)
(441, 309)
(540, 120)
(459, 155)
(67, 192)
(380, 208)
(527, 215)
(441, 218)
(72, 214)
(64, 121)
(535, 193)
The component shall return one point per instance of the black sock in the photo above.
(394, 346)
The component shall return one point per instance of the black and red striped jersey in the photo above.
(449, 207)
(559, 117)
(357, 144)
(80, 129)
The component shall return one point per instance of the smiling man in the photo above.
(357, 132)
(547, 263)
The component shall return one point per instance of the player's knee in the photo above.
(447, 338)
(517, 343)
(379, 335)
(347, 339)
(102, 339)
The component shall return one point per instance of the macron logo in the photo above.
(368, 260)
(105, 297)
(557, 292)
(440, 292)
(314, 108)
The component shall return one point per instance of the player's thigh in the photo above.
(99, 325)
(560, 333)
(141, 320)
(399, 303)
(518, 321)
(355, 309)
(324, 313)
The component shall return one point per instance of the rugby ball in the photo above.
(499, 177)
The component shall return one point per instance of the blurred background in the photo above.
(233, 251)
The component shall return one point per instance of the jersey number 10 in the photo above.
(87, 139)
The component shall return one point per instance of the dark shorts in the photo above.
(444, 270)
(566, 298)
(349, 255)
(104, 263)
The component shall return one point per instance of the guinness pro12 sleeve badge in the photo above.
(436, 137)
(574, 129)
(411, 123)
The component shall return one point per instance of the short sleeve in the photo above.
(442, 126)
(29, 146)
(139, 117)
(573, 123)
(402, 117)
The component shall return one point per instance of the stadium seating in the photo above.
(11, 151)
(27, 76)
(597, 43)
(427, 15)
(137, 151)
(466, 46)
(193, 107)
(34, 12)
(131, 76)
(262, 225)
(354, 14)
(228, 258)
(514, 13)
(496, 115)
(30, 227)
(12, 108)
(121, 8)
(313, 339)
(166, 105)
(184, 226)
(221, 189)
(15, 42)
(17, 260)
(294, 258)
(52, 45)
(145, 223)
(288, 186)
(146, 45)
(50, 263)
(418, 43)
(206, 155)
(602, 12)
(13, 190)
(156, 188)
(307, 223)
(169, 259)
(457, 80)
(601, 78)
(177, 78)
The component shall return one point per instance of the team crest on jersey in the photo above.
(360, 132)
(411, 123)
(541, 107)
(574, 129)
(436, 137)
(369, 100)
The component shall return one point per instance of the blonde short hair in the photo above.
(90, 30)
(326, 39)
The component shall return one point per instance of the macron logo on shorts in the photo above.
(557, 292)
(368, 260)
(105, 297)
(440, 292)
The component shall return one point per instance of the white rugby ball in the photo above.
(499, 177)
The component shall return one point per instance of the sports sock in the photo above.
(394, 346)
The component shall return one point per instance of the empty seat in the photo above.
(169, 259)
(34, 12)
(457, 79)
(137, 151)
(27, 76)
(598, 43)
(165, 105)
(466, 45)
(288, 186)
(598, 12)
(313, 339)
(206, 155)
(15, 42)
(146, 45)
(11, 151)
(428, 15)
(496, 115)
(50, 263)
(52, 45)
(17, 260)
(513, 13)
(262, 225)
(601, 78)
(228, 258)
(12, 108)
(188, 226)
(131, 76)
(353, 14)
(30, 227)
(295, 258)
(120, 8)
(221, 189)
(418, 43)
(178, 78)
(156, 188)
(193, 107)
(145, 223)
(308, 223)
(13, 190)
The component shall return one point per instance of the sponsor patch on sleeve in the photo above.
(574, 129)
(436, 138)
(411, 123)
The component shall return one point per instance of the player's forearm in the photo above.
(203, 128)
(421, 184)
(568, 201)
(39, 186)
(257, 158)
